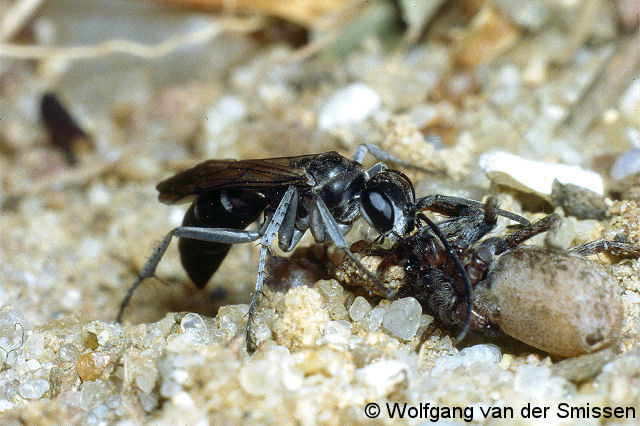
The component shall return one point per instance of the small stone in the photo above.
(331, 289)
(479, 354)
(148, 401)
(581, 368)
(303, 320)
(383, 375)
(235, 314)
(194, 327)
(325, 360)
(146, 377)
(70, 398)
(336, 332)
(33, 389)
(34, 346)
(531, 15)
(8, 389)
(158, 331)
(258, 378)
(6, 405)
(536, 382)
(33, 365)
(99, 195)
(102, 333)
(445, 363)
(505, 88)
(359, 308)
(350, 104)
(403, 318)
(90, 366)
(373, 320)
(94, 393)
(417, 14)
(578, 201)
(68, 353)
(535, 176)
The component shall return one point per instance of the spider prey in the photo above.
(556, 300)
(323, 193)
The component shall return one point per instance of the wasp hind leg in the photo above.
(214, 235)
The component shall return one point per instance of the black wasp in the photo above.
(323, 193)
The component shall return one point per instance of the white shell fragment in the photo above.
(348, 105)
(536, 176)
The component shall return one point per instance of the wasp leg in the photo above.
(268, 236)
(376, 168)
(214, 235)
(333, 229)
(535, 228)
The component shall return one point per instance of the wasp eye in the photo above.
(378, 209)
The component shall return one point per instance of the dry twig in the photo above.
(219, 26)
(16, 17)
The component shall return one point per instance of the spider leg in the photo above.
(467, 291)
(616, 248)
(458, 206)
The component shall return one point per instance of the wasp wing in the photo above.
(213, 175)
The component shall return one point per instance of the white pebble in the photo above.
(148, 401)
(169, 388)
(94, 393)
(33, 389)
(350, 104)
(536, 382)
(258, 378)
(445, 363)
(359, 308)
(336, 333)
(480, 353)
(183, 400)
(403, 318)
(193, 327)
(373, 320)
(382, 375)
(33, 365)
(34, 346)
(467, 357)
(103, 337)
(536, 176)
(146, 377)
